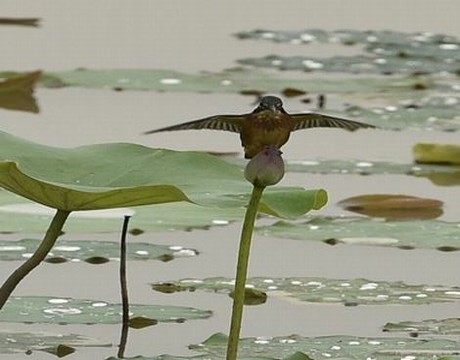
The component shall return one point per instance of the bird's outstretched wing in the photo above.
(310, 120)
(231, 123)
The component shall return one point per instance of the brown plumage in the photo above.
(268, 124)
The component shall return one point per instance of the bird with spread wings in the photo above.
(268, 124)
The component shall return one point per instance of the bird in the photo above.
(268, 124)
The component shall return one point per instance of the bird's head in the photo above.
(271, 103)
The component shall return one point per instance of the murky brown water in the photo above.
(195, 36)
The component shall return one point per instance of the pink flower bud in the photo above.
(266, 168)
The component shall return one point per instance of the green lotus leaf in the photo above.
(82, 250)
(333, 347)
(437, 153)
(119, 175)
(40, 309)
(20, 342)
(359, 230)
(432, 327)
(349, 292)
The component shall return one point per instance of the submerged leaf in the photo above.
(60, 351)
(140, 322)
(40, 309)
(16, 93)
(118, 175)
(333, 291)
(426, 153)
(359, 230)
(34, 22)
(252, 296)
(393, 207)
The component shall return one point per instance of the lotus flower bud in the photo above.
(266, 168)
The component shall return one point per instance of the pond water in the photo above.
(193, 37)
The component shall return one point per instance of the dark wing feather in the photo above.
(311, 120)
(231, 123)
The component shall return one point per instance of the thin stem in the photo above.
(124, 291)
(54, 230)
(242, 271)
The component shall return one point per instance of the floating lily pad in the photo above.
(364, 167)
(20, 342)
(387, 51)
(349, 37)
(431, 327)
(296, 356)
(119, 175)
(333, 347)
(21, 215)
(427, 153)
(336, 291)
(428, 116)
(38, 309)
(16, 93)
(430, 234)
(245, 81)
(357, 64)
(70, 250)
(437, 174)
(390, 206)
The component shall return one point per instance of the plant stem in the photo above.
(54, 230)
(124, 291)
(241, 272)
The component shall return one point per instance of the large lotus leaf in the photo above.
(430, 234)
(118, 175)
(432, 327)
(21, 215)
(20, 342)
(74, 250)
(336, 291)
(40, 309)
(334, 347)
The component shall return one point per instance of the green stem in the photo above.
(242, 271)
(54, 230)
